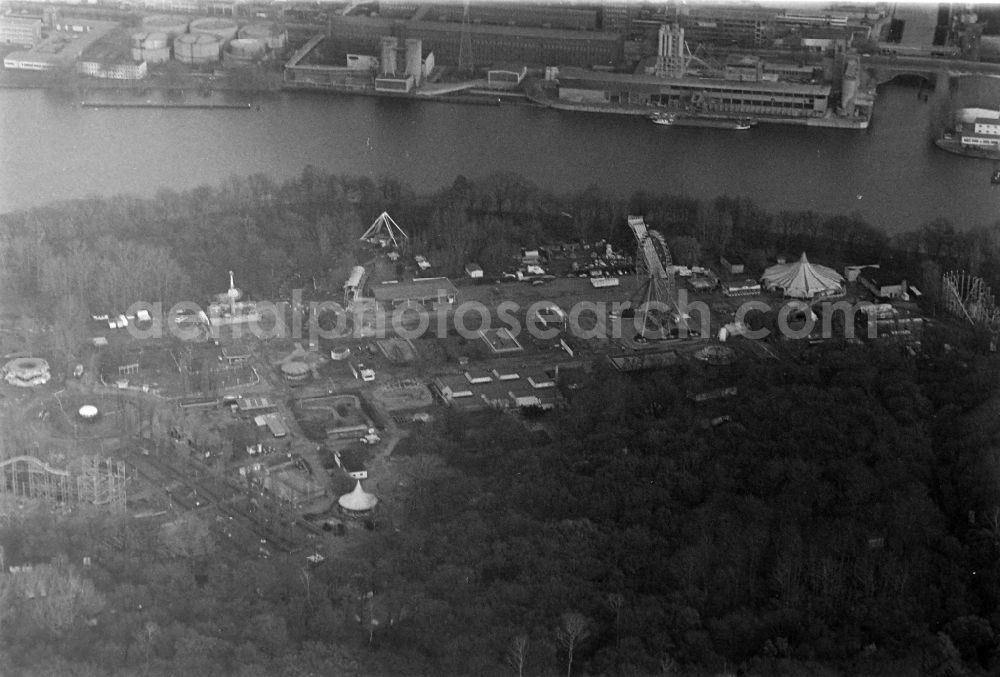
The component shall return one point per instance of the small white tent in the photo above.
(803, 280)
(358, 500)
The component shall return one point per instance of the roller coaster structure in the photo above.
(90, 480)
(968, 297)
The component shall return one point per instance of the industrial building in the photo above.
(18, 31)
(112, 71)
(437, 290)
(783, 99)
(750, 88)
(490, 44)
(524, 15)
(706, 23)
(64, 43)
(402, 77)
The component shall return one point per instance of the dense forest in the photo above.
(844, 518)
(103, 254)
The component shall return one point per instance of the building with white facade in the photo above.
(20, 31)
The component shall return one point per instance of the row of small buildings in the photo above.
(499, 388)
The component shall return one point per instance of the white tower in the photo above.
(671, 59)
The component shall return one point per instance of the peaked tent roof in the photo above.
(358, 500)
(803, 280)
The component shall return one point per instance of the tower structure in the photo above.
(671, 52)
(465, 63)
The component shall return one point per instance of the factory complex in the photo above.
(715, 63)
(109, 50)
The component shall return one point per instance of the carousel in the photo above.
(27, 372)
(358, 503)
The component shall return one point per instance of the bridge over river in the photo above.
(884, 68)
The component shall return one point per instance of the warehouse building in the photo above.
(490, 44)
(421, 291)
(785, 99)
(18, 31)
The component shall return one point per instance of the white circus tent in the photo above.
(803, 280)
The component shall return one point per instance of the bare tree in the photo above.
(669, 667)
(517, 653)
(187, 537)
(615, 602)
(572, 631)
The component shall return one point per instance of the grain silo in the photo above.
(389, 46)
(224, 29)
(414, 59)
(272, 35)
(161, 23)
(192, 48)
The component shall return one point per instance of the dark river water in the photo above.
(51, 149)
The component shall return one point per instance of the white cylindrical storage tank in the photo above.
(156, 40)
(192, 48)
(162, 23)
(274, 37)
(156, 55)
(224, 29)
(246, 48)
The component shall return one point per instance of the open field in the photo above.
(403, 395)
(330, 416)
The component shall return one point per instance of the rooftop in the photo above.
(601, 78)
(416, 290)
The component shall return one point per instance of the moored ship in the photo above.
(975, 133)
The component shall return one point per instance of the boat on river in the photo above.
(679, 120)
(662, 118)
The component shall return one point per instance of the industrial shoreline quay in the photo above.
(202, 106)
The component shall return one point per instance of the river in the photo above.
(51, 149)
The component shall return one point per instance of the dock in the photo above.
(150, 104)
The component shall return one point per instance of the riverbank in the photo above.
(153, 98)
